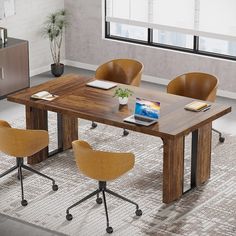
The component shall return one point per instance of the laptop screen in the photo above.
(147, 108)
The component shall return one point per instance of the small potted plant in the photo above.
(123, 95)
(54, 28)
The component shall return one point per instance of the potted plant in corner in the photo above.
(123, 95)
(54, 28)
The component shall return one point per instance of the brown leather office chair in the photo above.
(196, 85)
(124, 71)
(101, 166)
(21, 143)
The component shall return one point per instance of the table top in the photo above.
(77, 99)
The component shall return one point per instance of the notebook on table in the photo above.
(146, 112)
(197, 106)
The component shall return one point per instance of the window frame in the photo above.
(149, 42)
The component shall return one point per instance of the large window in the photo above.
(198, 26)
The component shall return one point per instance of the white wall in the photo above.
(86, 44)
(27, 23)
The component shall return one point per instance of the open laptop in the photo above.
(146, 112)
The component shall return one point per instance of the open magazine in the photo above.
(44, 95)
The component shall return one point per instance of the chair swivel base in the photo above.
(102, 188)
(19, 165)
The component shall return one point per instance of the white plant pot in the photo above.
(123, 101)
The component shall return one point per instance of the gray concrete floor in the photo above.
(9, 111)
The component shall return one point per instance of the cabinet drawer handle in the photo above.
(1, 73)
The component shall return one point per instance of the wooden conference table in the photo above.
(76, 100)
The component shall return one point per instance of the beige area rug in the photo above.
(208, 210)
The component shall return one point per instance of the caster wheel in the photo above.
(99, 200)
(125, 132)
(24, 203)
(55, 187)
(221, 139)
(69, 217)
(109, 230)
(94, 125)
(138, 212)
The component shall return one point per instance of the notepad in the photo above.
(44, 95)
(196, 106)
(101, 84)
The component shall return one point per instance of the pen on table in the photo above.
(207, 108)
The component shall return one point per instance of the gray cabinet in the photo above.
(14, 66)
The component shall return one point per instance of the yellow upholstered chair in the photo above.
(124, 71)
(101, 166)
(196, 85)
(21, 143)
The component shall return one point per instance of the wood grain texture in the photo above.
(203, 163)
(69, 131)
(173, 169)
(37, 119)
(77, 99)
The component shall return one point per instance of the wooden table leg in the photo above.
(173, 169)
(201, 155)
(67, 130)
(37, 119)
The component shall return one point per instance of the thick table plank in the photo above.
(173, 168)
(37, 119)
(68, 131)
(201, 155)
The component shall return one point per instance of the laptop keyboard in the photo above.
(142, 119)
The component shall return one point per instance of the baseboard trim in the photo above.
(42, 69)
(147, 78)
(39, 70)
(226, 94)
(81, 65)
(155, 80)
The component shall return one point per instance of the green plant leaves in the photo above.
(53, 30)
(119, 92)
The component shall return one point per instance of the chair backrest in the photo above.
(20, 142)
(196, 85)
(125, 71)
(99, 165)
